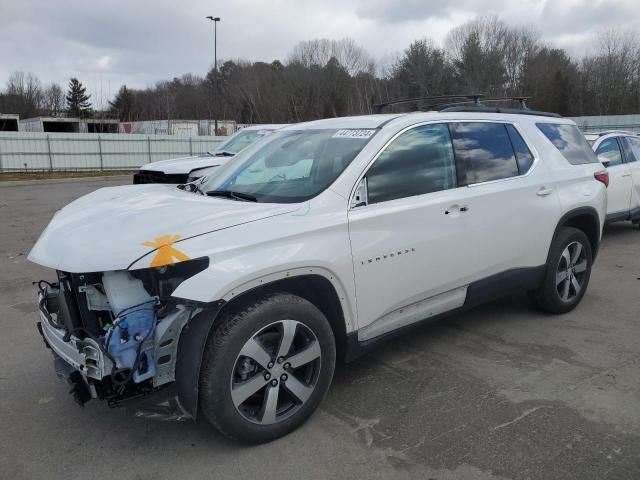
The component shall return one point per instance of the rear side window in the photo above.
(608, 153)
(630, 153)
(523, 154)
(419, 161)
(484, 151)
(570, 142)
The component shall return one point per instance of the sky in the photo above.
(138, 42)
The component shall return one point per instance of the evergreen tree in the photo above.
(77, 99)
(122, 104)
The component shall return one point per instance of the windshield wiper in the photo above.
(224, 153)
(233, 195)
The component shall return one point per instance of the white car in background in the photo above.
(188, 169)
(619, 152)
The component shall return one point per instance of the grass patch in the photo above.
(44, 175)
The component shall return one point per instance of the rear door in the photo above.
(619, 191)
(512, 207)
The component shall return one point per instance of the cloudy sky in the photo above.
(137, 42)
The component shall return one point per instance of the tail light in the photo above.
(602, 176)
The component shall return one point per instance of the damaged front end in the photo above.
(115, 334)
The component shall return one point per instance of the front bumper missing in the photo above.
(83, 355)
(82, 365)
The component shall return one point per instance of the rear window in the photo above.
(570, 141)
(484, 150)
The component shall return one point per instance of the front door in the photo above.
(409, 241)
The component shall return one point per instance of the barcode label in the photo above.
(353, 133)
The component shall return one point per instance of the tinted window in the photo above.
(484, 151)
(629, 154)
(608, 152)
(570, 142)
(418, 161)
(523, 154)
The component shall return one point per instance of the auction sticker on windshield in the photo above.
(354, 133)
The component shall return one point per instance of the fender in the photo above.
(194, 336)
(567, 218)
(349, 316)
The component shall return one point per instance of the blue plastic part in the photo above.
(139, 325)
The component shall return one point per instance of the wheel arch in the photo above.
(314, 286)
(585, 219)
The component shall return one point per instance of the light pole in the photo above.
(215, 21)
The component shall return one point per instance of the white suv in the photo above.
(233, 299)
(619, 152)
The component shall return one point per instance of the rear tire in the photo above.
(267, 366)
(567, 274)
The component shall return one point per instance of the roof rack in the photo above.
(378, 107)
(471, 103)
(517, 111)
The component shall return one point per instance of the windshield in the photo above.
(240, 140)
(290, 166)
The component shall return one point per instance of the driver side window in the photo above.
(419, 161)
(608, 153)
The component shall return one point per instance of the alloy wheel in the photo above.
(571, 271)
(276, 372)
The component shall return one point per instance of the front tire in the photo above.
(266, 368)
(567, 274)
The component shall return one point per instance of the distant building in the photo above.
(9, 122)
(181, 128)
(69, 125)
(50, 124)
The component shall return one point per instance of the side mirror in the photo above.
(359, 198)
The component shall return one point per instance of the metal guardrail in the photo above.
(24, 151)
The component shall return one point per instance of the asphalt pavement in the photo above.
(502, 391)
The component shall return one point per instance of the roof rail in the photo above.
(378, 107)
(473, 102)
(485, 109)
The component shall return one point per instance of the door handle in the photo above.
(626, 175)
(456, 208)
(544, 191)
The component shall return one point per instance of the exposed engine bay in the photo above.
(115, 334)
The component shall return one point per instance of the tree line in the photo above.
(25, 95)
(327, 78)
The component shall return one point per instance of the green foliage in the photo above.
(122, 105)
(78, 104)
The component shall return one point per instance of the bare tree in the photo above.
(53, 99)
(25, 92)
(346, 51)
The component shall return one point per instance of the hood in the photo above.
(185, 164)
(108, 229)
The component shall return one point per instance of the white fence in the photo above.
(90, 151)
(600, 123)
